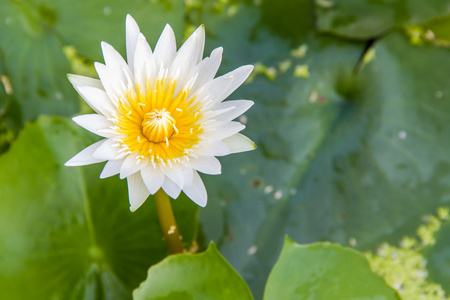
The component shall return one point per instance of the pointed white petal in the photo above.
(180, 174)
(187, 58)
(174, 174)
(239, 143)
(200, 42)
(222, 130)
(115, 62)
(206, 164)
(144, 63)
(210, 93)
(187, 173)
(197, 191)
(229, 110)
(97, 99)
(108, 150)
(165, 48)
(132, 32)
(112, 167)
(85, 157)
(239, 75)
(207, 68)
(183, 66)
(171, 188)
(113, 85)
(78, 80)
(137, 191)
(213, 148)
(153, 178)
(132, 165)
(97, 124)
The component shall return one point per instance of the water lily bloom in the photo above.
(161, 114)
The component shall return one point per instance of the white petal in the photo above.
(97, 124)
(229, 110)
(187, 173)
(210, 93)
(153, 178)
(132, 32)
(221, 87)
(171, 188)
(115, 62)
(206, 164)
(222, 130)
(207, 68)
(187, 58)
(78, 80)
(239, 75)
(213, 148)
(239, 143)
(137, 191)
(113, 85)
(85, 157)
(174, 173)
(109, 150)
(165, 48)
(144, 63)
(132, 165)
(97, 99)
(197, 191)
(112, 167)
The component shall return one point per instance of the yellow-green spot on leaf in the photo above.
(301, 71)
(95, 253)
(285, 65)
(269, 72)
(404, 267)
(79, 64)
(324, 3)
(415, 35)
(369, 56)
(299, 52)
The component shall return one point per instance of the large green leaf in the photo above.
(324, 271)
(351, 153)
(33, 33)
(438, 258)
(206, 276)
(364, 19)
(66, 234)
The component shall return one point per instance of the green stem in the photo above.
(168, 225)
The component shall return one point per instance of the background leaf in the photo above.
(352, 151)
(76, 238)
(438, 258)
(364, 19)
(324, 271)
(201, 276)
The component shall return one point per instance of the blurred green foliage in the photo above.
(351, 111)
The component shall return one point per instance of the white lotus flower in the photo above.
(161, 115)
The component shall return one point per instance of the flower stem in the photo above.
(168, 225)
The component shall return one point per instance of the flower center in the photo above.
(158, 126)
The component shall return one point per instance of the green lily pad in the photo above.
(324, 271)
(66, 234)
(437, 31)
(365, 19)
(206, 276)
(352, 151)
(34, 32)
(438, 259)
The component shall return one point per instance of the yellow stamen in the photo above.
(158, 124)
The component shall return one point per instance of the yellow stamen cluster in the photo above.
(157, 124)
